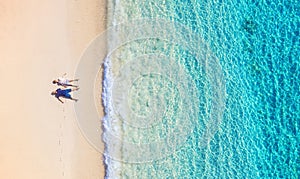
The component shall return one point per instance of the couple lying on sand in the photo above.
(64, 93)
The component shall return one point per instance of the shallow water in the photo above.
(215, 97)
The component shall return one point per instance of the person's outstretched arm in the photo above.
(60, 100)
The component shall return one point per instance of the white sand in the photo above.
(39, 41)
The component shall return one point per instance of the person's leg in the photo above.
(75, 89)
(68, 96)
(74, 99)
(66, 85)
(67, 91)
(74, 80)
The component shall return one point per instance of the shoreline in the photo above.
(40, 41)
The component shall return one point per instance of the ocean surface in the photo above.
(202, 89)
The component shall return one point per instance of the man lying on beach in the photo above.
(64, 94)
(62, 81)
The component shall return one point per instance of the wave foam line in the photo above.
(112, 167)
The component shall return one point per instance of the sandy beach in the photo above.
(39, 41)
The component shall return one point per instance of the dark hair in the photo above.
(53, 81)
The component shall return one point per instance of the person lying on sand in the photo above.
(62, 81)
(64, 94)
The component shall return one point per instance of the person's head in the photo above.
(53, 93)
(54, 81)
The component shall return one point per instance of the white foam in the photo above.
(113, 168)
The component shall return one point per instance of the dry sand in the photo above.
(39, 41)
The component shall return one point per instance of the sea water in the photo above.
(214, 97)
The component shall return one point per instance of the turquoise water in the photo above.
(256, 132)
